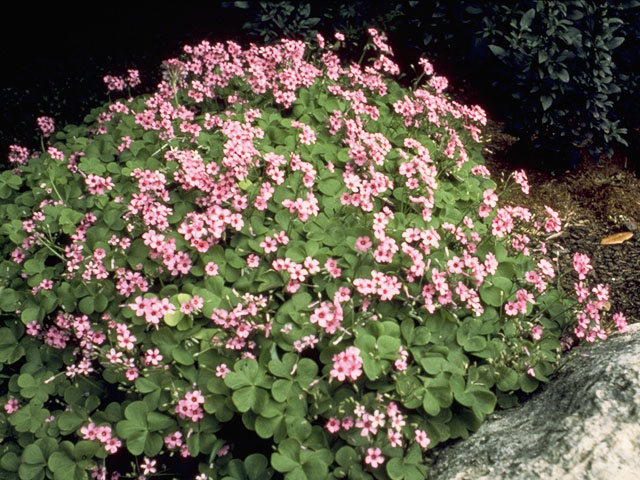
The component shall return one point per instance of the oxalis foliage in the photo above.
(273, 266)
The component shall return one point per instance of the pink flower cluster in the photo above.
(178, 262)
(347, 365)
(372, 424)
(307, 135)
(270, 245)
(385, 286)
(95, 267)
(191, 406)
(126, 340)
(103, 434)
(297, 272)
(152, 309)
(520, 178)
(307, 341)
(328, 316)
(582, 265)
(119, 83)
(174, 440)
(98, 185)
(620, 322)
(240, 323)
(73, 252)
(18, 154)
(129, 281)
(114, 83)
(503, 223)
(11, 406)
(552, 222)
(305, 207)
(193, 305)
(204, 230)
(591, 303)
(520, 305)
(331, 266)
(537, 279)
(46, 126)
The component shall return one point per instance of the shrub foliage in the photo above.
(274, 265)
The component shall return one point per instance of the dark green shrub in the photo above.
(563, 76)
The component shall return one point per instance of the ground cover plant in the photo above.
(275, 265)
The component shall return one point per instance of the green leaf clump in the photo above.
(274, 265)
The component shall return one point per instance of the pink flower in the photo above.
(190, 406)
(582, 292)
(253, 260)
(582, 265)
(333, 425)
(347, 365)
(114, 83)
(312, 265)
(395, 438)
(521, 179)
(211, 269)
(133, 78)
(426, 66)
(422, 438)
(11, 406)
(536, 332)
(552, 223)
(439, 83)
(621, 322)
(363, 243)
(222, 370)
(546, 268)
(18, 154)
(148, 466)
(173, 440)
(331, 265)
(223, 451)
(374, 457)
(152, 357)
(347, 423)
(46, 125)
(112, 445)
(269, 245)
(328, 316)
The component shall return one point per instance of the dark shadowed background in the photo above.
(54, 59)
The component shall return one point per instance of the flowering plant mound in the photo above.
(275, 265)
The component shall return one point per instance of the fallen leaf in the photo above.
(616, 238)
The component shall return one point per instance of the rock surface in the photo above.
(584, 424)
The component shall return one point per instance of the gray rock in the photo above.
(584, 424)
